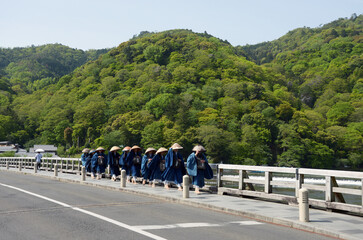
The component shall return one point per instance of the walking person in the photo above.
(113, 162)
(175, 168)
(146, 159)
(85, 153)
(88, 164)
(198, 167)
(38, 160)
(99, 162)
(157, 166)
(125, 165)
(134, 160)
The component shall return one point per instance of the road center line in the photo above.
(123, 225)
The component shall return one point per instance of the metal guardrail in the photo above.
(238, 180)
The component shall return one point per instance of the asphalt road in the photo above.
(38, 208)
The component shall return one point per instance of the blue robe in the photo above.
(135, 168)
(145, 171)
(171, 173)
(198, 174)
(113, 161)
(84, 158)
(154, 167)
(95, 166)
(125, 165)
(88, 164)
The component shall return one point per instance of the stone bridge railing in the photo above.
(241, 180)
(254, 181)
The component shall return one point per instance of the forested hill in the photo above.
(35, 67)
(185, 87)
(307, 40)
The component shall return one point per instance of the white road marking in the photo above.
(131, 228)
(178, 225)
(248, 222)
(192, 225)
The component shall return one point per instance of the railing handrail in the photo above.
(307, 171)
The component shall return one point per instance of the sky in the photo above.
(96, 24)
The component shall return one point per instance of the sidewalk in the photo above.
(328, 223)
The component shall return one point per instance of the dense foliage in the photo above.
(302, 107)
(32, 68)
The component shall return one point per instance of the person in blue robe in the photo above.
(125, 165)
(99, 163)
(113, 162)
(134, 159)
(145, 171)
(198, 167)
(174, 167)
(157, 166)
(85, 153)
(88, 164)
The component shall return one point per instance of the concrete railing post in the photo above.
(7, 165)
(123, 178)
(83, 174)
(185, 186)
(20, 166)
(303, 205)
(35, 167)
(56, 170)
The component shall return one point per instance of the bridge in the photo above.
(233, 180)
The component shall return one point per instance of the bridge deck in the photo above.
(330, 223)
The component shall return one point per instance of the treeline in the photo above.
(302, 108)
(32, 68)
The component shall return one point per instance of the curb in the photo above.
(272, 220)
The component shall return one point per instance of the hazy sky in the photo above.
(94, 24)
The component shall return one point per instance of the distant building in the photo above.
(7, 146)
(51, 149)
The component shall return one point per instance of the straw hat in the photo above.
(86, 150)
(92, 151)
(176, 146)
(160, 150)
(126, 149)
(115, 148)
(135, 147)
(150, 150)
(100, 149)
(199, 148)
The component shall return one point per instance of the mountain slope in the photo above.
(185, 87)
(35, 67)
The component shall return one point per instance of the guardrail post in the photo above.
(7, 165)
(329, 196)
(35, 167)
(219, 177)
(303, 205)
(83, 174)
(72, 165)
(66, 165)
(55, 170)
(299, 182)
(268, 178)
(185, 186)
(61, 165)
(123, 178)
(20, 166)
